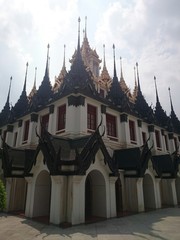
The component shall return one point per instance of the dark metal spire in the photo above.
(35, 77)
(24, 88)
(139, 88)
(172, 109)
(78, 47)
(135, 76)
(115, 74)
(7, 102)
(157, 98)
(47, 63)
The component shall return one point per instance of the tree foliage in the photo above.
(2, 196)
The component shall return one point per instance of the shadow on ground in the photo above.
(161, 224)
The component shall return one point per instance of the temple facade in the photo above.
(87, 147)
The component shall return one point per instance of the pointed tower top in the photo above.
(135, 85)
(9, 90)
(115, 75)
(25, 80)
(157, 98)
(135, 76)
(35, 78)
(64, 55)
(85, 29)
(139, 88)
(121, 68)
(78, 47)
(47, 62)
(172, 109)
(104, 55)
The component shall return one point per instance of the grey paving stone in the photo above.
(163, 224)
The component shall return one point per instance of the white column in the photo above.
(140, 197)
(58, 199)
(124, 205)
(52, 118)
(9, 135)
(124, 129)
(157, 193)
(152, 140)
(139, 132)
(174, 194)
(29, 197)
(171, 143)
(19, 134)
(78, 215)
(112, 196)
(32, 138)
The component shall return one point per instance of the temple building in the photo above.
(86, 147)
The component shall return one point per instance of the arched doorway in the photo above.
(119, 203)
(42, 197)
(95, 196)
(148, 191)
(178, 189)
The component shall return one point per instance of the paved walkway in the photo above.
(163, 224)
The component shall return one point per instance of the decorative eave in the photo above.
(84, 148)
(134, 161)
(16, 162)
(166, 165)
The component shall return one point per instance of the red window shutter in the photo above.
(111, 125)
(61, 117)
(91, 117)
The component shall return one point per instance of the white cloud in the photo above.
(143, 31)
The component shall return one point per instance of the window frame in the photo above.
(61, 120)
(91, 117)
(111, 126)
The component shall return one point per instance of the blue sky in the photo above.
(143, 31)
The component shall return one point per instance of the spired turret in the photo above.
(5, 114)
(116, 94)
(104, 80)
(44, 93)
(59, 80)
(175, 123)
(22, 105)
(33, 90)
(160, 115)
(141, 107)
(89, 56)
